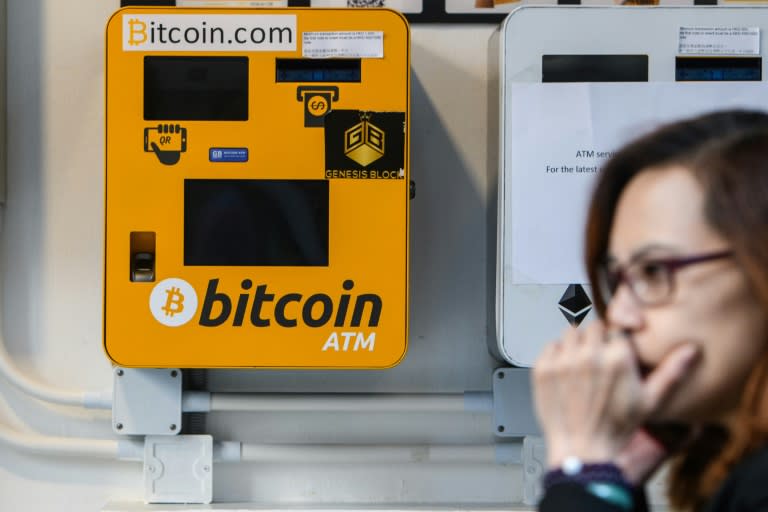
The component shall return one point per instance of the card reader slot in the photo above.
(318, 70)
(594, 68)
(142, 257)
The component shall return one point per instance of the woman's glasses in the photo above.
(651, 281)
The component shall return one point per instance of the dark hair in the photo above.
(727, 152)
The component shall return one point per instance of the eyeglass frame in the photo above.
(671, 266)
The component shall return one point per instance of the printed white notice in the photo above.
(232, 3)
(719, 41)
(470, 6)
(556, 138)
(321, 45)
(404, 6)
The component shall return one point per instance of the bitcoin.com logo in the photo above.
(173, 302)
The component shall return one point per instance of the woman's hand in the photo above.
(650, 446)
(591, 399)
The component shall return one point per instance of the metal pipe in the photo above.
(376, 454)
(336, 402)
(71, 447)
(47, 393)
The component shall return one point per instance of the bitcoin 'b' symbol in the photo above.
(137, 32)
(175, 301)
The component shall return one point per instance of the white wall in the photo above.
(51, 281)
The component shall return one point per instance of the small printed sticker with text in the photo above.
(228, 154)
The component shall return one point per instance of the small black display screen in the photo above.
(196, 88)
(594, 68)
(317, 70)
(256, 222)
(718, 69)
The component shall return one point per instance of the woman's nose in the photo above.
(624, 310)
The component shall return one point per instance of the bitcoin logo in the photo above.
(318, 105)
(137, 32)
(173, 302)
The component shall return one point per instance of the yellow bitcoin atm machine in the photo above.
(257, 188)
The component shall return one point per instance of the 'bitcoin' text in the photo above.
(261, 307)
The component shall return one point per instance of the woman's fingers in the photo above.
(663, 379)
(590, 397)
(594, 336)
(586, 391)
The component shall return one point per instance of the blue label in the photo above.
(228, 154)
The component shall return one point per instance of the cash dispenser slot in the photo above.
(318, 70)
(594, 68)
(718, 69)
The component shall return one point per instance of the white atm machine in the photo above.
(575, 83)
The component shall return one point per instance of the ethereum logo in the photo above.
(574, 304)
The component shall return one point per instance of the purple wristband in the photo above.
(586, 473)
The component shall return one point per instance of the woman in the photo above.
(677, 251)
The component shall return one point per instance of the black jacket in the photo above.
(745, 490)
